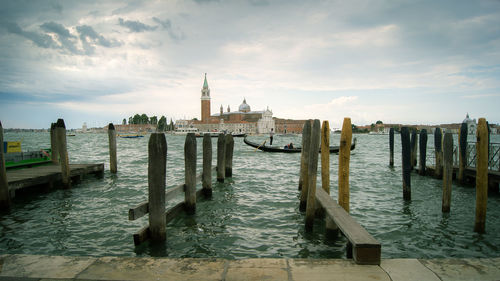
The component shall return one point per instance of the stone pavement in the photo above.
(34, 267)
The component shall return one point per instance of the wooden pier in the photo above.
(48, 175)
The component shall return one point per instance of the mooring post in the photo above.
(4, 184)
(112, 148)
(325, 156)
(462, 154)
(481, 175)
(331, 227)
(344, 158)
(157, 168)
(228, 161)
(406, 159)
(221, 157)
(423, 152)
(447, 171)
(306, 143)
(190, 173)
(413, 143)
(54, 155)
(391, 147)
(438, 150)
(312, 169)
(207, 165)
(63, 152)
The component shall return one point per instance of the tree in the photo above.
(379, 122)
(162, 124)
(372, 126)
(171, 127)
(124, 122)
(136, 119)
(130, 120)
(144, 119)
(153, 120)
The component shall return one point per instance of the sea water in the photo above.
(253, 214)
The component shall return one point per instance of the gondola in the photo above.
(216, 135)
(263, 147)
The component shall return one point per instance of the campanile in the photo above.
(205, 102)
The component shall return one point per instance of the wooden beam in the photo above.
(365, 248)
(138, 211)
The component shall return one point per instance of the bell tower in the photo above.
(205, 102)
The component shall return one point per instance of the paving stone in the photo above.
(35, 266)
(318, 270)
(465, 269)
(257, 269)
(123, 268)
(407, 270)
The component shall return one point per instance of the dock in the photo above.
(34, 267)
(48, 175)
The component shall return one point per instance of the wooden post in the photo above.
(462, 154)
(391, 147)
(112, 148)
(228, 161)
(303, 162)
(5, 202)
(406, 159)
(423, 151)
(190, 173)
(207, 165)
(331, 227)
(312, 169)
(438, 150)
(221, 157)
(325, 156)
(157, 168)
(413, 143)
(53, 144)
(62, 149)
(306, 143)
(344, 158)
(447, 171)
(481, 175)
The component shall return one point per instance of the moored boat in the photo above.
(15, 158)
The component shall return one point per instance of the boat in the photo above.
(15, 158)
(267, 148)
(215, 135)
(130, 136)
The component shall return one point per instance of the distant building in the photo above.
(471, 125)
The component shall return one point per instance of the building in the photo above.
(471, 125)
(244, 120)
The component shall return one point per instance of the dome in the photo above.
(467, 119)
(244, 107)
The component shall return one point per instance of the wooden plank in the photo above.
(138, 211)
(366, 249)
(171, 213)
(141, 235)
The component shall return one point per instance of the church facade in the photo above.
(244, 120)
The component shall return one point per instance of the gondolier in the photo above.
(271, 134)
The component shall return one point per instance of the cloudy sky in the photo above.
(408, 61)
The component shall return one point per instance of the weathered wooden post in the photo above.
(221, 157)
(462, 154)
(312, 168)
(53, 144)
(325, 156)
(157, 168)
(344, 158)
(62, 149)
(331, 227)
(306, 143)
(423, 151)
(207, 165)
(5, 202)
(303, 163)
(481, 175)
(391, 147)
(447, 171)
(228, 161)
(190, 173)
(438, 150)
(406, 159)
(413, 143)
(112, 148)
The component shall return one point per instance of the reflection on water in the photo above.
(254, 214)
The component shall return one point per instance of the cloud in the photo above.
(136, 26)
(65, 38)
(90, 38)
(167, 25)
(41, 40)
